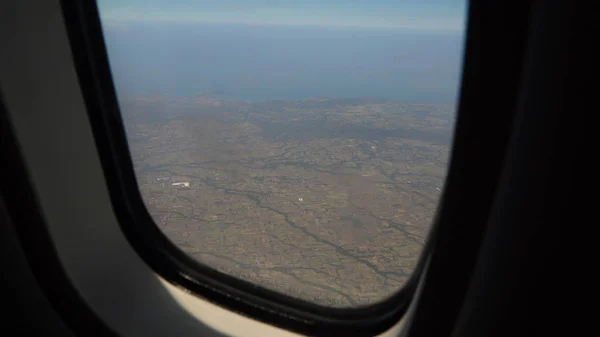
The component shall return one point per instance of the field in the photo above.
(327, 200)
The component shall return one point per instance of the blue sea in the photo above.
(257, 63)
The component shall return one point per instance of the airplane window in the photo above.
(299, 145)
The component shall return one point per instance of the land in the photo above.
(326, 200)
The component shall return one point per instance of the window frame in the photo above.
(91, 62)
(514, 287)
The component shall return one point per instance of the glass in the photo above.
(297, 145)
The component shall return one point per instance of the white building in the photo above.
(182, 184)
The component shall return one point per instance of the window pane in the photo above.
(299, 145)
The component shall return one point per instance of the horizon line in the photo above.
(111, 22)
(311, 98)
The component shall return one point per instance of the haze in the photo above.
(345, 50)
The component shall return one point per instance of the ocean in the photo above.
(258, 63)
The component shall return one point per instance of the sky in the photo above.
(406, 14)
(284, 49)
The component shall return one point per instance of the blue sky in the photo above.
(438, 15)
(286, 49)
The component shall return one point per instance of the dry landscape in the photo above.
(327, 200)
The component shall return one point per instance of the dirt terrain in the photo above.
(327, 200)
